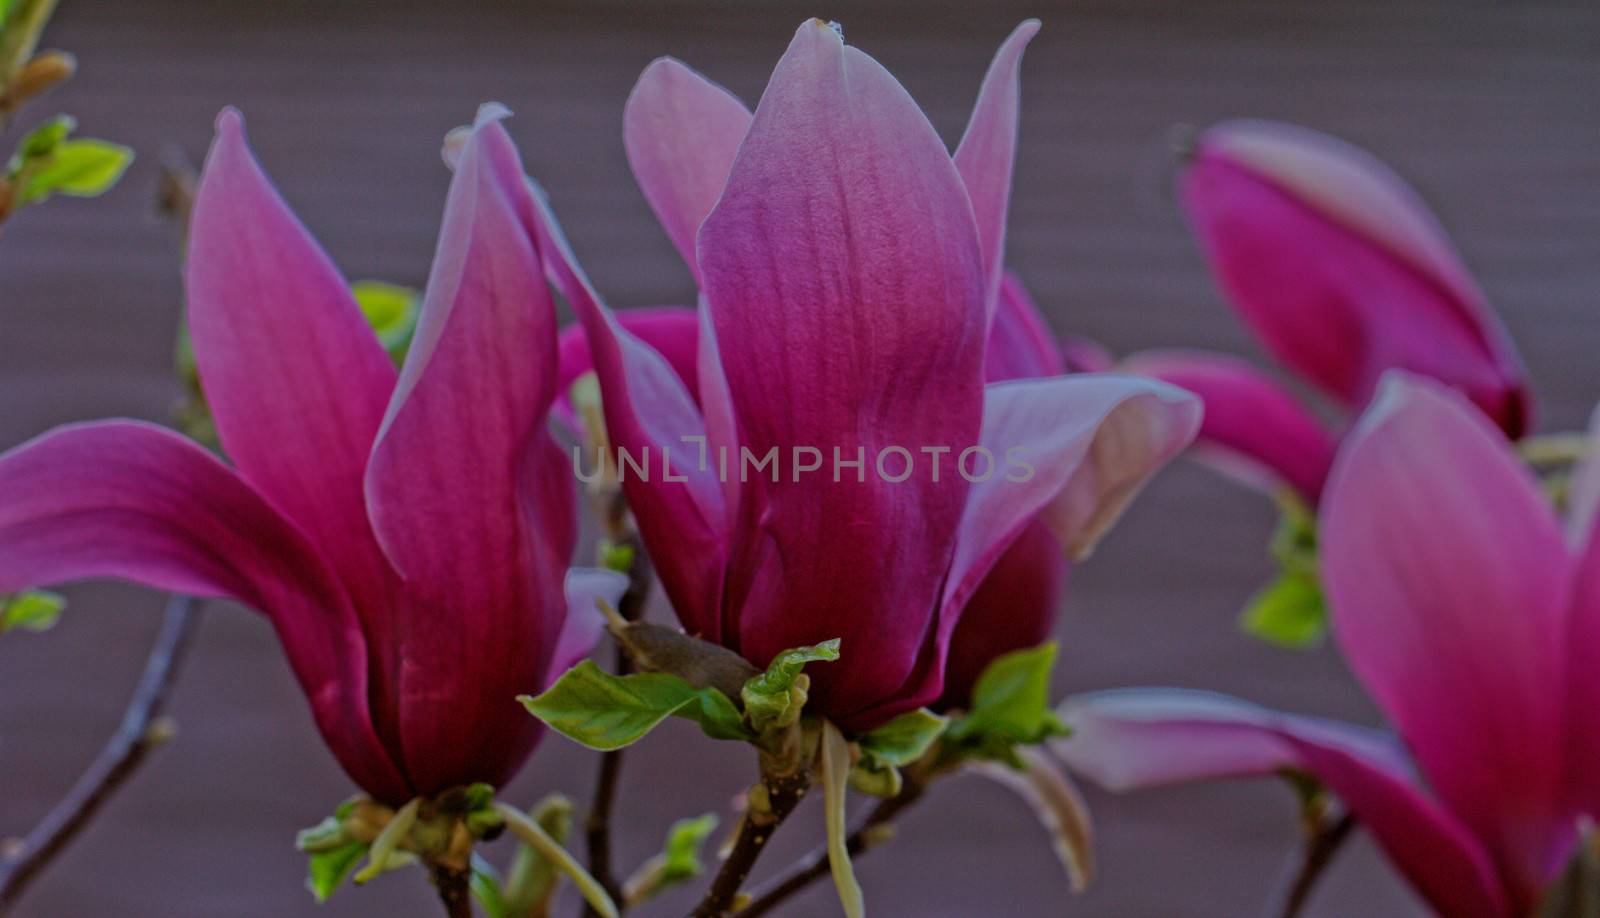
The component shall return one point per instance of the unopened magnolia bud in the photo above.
(43, 72)
(702, 664)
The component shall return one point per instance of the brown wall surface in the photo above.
(1488, 107)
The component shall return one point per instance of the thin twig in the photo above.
(454, 888)
(782, 794)
(814, 866)
(1319, 852)
(142, 729)
(597, 824)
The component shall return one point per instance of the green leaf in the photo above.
(1289, 612)
(392, 312)
(329, 869)
(772, 699)
(42, 141)
(905, 739)
(682, 850)
(485, 885)
(80, 168)
(33, 610)
(1011, 702)
(605, 711)
(5, 10)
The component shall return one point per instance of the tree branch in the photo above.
(142, 729)
(782, 793)
(1320, 849)
(597, 824)
(814, 866)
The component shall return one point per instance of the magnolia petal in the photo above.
(988, 150)
(137, 502)
(681, 132)
(1021, 344)
(1059, 805)
(1254, 430)
(842, 273)
(1447, 579)
(1135, 738)
(1069, 452)
(586, 589)
(295, 378)
(650, 414)
(471, 500)
(673, 331)
(1583, 494)
(1341, 271)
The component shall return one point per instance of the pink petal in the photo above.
(1021, 344)
(1069, 453)
(1446, 576)
(1341, 271)
(586, 587)
(842, 273)
(1583, 494)
(295, 377)
(1254, 429)
(672, 330)
(681, 132)
(133, 501)
(471, 499)
(1135, 738)
(988, 150)
(649, 413)
(1012, 609)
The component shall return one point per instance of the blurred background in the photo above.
(1489, 108)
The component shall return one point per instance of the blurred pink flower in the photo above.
(407, 534)
(850, 271)
(1341, 272)
(1475, 624)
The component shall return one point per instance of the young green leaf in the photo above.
(327, 870)
(682, 851)
(33, 610)
(604, 711)
(486, 889)
(1288, 612)
(1011, 702)
(772, 699)
(41, 141)
(835, 762)
(392, 312)
(80, 168)
(905, 739)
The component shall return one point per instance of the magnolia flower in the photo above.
(849, 270)
(1341, 272)
(1474, 624)
(406, 533)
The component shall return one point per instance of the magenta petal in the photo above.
(650, 414)
(471, 499)
(842, 274)
(137, 502)
(1021, 344)
(1341, 271)
(1447, 579)
(1135, 738)
(586, 587)
(295, 377)
(681, 132)
(1254, 429)
(988, 150)
(674, 332)
(1068, 453)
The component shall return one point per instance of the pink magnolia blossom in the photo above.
(406, 533)
(1342, 273)
(1475, 624)
(850, 270)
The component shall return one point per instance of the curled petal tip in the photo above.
(490, 112)
(1027, 28)
(230, 122)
